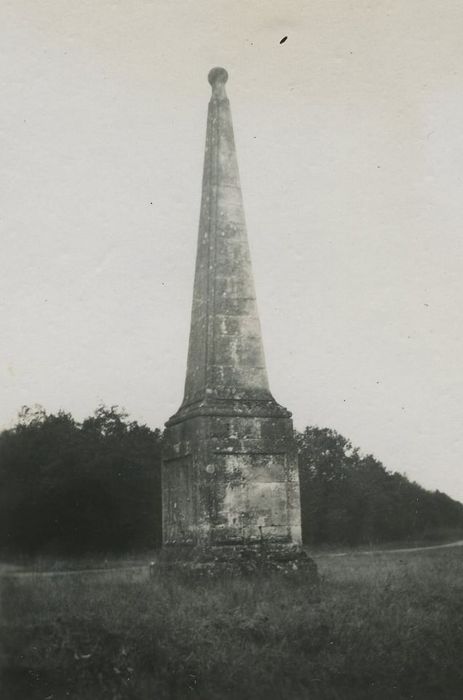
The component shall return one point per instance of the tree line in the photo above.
(71, 488)
(352, 499)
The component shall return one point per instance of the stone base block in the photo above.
(288, 561)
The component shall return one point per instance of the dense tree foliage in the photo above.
(71, 488)
(352, 499)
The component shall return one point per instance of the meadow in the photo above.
(388, 626)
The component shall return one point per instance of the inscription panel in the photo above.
(255, 497)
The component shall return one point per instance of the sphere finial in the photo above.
(217, 76)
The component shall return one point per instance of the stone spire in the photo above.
(229, 460)
(225, 357)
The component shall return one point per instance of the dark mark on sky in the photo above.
(282, 41)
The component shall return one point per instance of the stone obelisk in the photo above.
(230, 475)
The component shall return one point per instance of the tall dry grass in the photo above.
(386, 627)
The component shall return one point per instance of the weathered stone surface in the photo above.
(230, 479)
(230, 476)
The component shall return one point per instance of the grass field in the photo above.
(387, 626)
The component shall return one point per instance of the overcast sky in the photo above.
(350, 145)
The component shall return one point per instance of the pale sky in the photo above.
(350, 146)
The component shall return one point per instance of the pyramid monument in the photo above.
(229, 470)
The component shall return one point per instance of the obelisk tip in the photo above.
(217, 78)
(217, 75)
